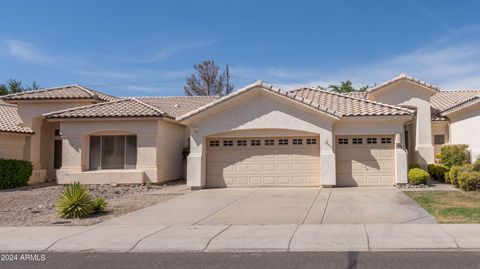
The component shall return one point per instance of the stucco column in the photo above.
(423, 137)
(401, 161)
(71, 158)
(38, 174)
(196, 163)
(327, 162)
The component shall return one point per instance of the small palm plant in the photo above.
(75, 202)
(99, 205)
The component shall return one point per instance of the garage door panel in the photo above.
(289, 165)
(364, 164)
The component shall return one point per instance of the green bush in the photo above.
(456, 170)
(437, 171)
(75, 202)
(451, 155)
(476, 165)
(417, 176)
(469, 181)
(14, 173)
(99, 205)
(413, 165)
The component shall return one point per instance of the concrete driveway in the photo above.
(283, 206)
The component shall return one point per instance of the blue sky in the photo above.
(148, 47)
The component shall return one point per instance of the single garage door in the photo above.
(365, 160)
(272, 161)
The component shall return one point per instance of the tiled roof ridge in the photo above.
(85, 106)
(270, 88)
(358, 99)
(39, 90)
(469, 100)
(162, 113)
(177, 96)
(404, 76)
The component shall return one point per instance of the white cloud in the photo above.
(27, 52)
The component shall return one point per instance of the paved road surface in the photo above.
(276, 260)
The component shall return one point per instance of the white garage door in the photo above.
(365, 160)
(276, 161)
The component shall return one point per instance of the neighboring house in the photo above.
(256, 136)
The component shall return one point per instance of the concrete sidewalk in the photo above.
(229, 238)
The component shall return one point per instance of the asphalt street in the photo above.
(263, 260)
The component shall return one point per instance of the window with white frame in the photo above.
(255, 143)
(297, 141)
(283, 142)
(228, 143)
(386, 140)
(357, 140)
(269, 142)
(343, 141)
(371, 140)
(311, 141)
(113, 152)
(241, 143)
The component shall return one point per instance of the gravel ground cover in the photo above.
(35, 205)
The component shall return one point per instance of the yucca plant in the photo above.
(99, 205)
(75, 202)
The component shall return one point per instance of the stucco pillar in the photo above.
(71, 158)
(196, 163)
(327, 162)
(423, 137)
(38, 175)
(401, 161)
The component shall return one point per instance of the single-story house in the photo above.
(256, 136)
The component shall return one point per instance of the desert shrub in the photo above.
(469, 181)
(75, 202)
(451, 155)
(437, 171)
(14, 173)
(476, 165)
(413, 165)
(417, 176)
(456, 170)
(99, 205)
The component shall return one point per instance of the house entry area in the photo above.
(263, 161)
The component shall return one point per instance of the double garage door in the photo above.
(365, 160)
(271, 161)
(295, 161)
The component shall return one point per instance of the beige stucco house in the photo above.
(256, 136)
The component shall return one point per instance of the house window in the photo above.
(214, 143)
(228, 143)
(57, 132)
(241, 143)
(386, 140)
(255, 143)
(283, 141)
(113, 152)
(311, 141)
(343, 141)
(269, 142)
(439, 139)
(371, 140)
(357, 140)
(297, 141)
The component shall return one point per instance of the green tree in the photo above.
(208, 80)
(346, 87)
(16, 86)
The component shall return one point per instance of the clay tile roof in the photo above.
(64, 92)
(349, 105)
(405, 77)
(447, 100)
(175, 106)
(122, 108)
(10, 121)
